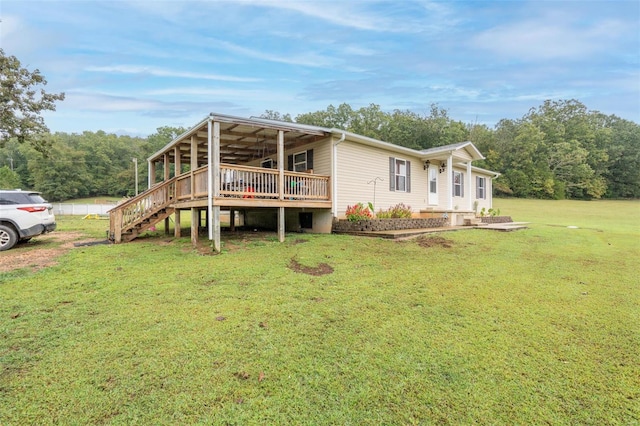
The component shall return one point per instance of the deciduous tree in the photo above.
(22, 100)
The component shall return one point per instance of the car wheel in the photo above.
(8, 237)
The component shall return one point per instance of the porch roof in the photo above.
(241, 139)
(246, 139)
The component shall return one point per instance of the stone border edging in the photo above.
(388, 224)
(496, 219)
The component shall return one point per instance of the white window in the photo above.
(401, 175)
(433, 181)
(300, 161)
(267, 164)
(481, 187)
(433, 185)
(458, 184)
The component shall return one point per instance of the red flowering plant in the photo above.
(358, 212)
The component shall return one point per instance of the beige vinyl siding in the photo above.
(359, 164)
(463, 155)
(443, 192)
(487, 201)
(462, 203)
(321, 156)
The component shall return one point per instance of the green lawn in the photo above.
(540, 326)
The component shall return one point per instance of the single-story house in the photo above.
(293, 177)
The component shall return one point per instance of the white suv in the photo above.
(23, 215)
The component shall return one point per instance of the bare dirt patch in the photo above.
(41, 252)
(437, 241)
(321, 269)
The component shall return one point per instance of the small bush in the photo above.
(399, 211)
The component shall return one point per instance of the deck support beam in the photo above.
(216, 229)
(213, 213)
(195, 225)
(177, 171)
(281, 224)
(176, 219)
(232, 220)
(281, 164)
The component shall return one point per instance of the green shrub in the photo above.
(399, 211)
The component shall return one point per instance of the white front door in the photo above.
(433, 186)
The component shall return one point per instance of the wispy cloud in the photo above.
(309, 59)
(341, 13)
(542, 39)
(160, 72)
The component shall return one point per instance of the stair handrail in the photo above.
(131, 212)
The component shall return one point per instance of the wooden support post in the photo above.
(176, 220)
(281, 164)
(194, 164)
(214, 182)
(216, 229)
(232, 220)
(167, 168)
(166, 226)
(151, 179)
(195, 225)
(117, 227)
(178, 161)
(281, 224)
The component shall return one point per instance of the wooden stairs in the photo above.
(146, 224)
(136, 215)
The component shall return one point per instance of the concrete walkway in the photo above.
(504, 227)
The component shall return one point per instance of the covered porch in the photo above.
(228, 163)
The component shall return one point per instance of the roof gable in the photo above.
(451, 148)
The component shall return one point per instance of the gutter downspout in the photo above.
(334, 176)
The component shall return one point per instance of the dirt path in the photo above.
(40, 252)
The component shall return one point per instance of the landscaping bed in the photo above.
(345, 226)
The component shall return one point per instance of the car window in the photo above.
(36, 198)
(7, 198)
(14, 198)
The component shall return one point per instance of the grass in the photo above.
(528, 327)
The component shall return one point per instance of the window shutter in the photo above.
(453, 183)
(462, 185)
(392, 174)
(290, 162)
(408, 184)
(477, 186)
(310, 159)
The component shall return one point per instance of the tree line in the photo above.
(557, 150)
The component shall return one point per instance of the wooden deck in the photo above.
(234, 187)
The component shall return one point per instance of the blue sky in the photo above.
(133, 66)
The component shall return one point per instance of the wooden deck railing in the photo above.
(127, 215)
(135, 214)
(253, 182)
(192, 184)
